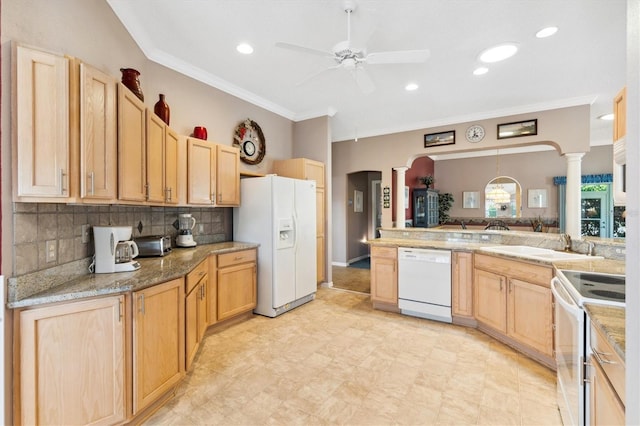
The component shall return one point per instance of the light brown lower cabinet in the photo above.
(158, 341)
(462, 286)
(512, 301)
(72, 363)
(605, 405)
(237, 280)
(195, 309)
(384, 275)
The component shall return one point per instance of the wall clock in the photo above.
(475, 133)
(248, 137)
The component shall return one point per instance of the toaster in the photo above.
(153, 245)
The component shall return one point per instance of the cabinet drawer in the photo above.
(388, 252)
(194, 277)
(609, 360)
(536, 274)
(237, 257)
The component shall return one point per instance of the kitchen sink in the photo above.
(539, 253)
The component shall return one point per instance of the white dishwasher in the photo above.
(424, 283)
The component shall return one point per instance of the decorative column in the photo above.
(573, 200)
(400, 219)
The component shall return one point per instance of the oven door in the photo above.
(569, 343)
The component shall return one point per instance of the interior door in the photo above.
(595, 214)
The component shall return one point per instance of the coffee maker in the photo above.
(114, 249)
(185, 224)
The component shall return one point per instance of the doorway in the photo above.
(595, 211)
(376, 208)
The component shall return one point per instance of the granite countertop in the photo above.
(153, 270)
(435, 244)
(611, 321)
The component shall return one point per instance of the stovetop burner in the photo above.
(597, 287)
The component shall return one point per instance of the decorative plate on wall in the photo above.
(248, 137)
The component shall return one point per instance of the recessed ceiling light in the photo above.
(606, 117)
(547, 32)
(480, 71)
(498, 53)
(244, 48)
(411, 87)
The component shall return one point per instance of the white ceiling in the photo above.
(583, 63)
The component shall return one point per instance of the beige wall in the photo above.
(90, 31)
(534, 170)
(566, 129)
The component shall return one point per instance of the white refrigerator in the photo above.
(279, 214)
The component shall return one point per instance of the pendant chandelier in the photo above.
(498, 193)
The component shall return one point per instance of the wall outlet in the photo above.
(85, 233)
(50, 251)
(467, 236)
(484, 237)
(200, 228)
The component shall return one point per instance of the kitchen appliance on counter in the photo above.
(424, 283)
(186, 222)
(279, 213)
(572, 289)
(153, 245)
(114, 250)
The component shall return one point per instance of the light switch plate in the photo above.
(50, 251)
(85, 233)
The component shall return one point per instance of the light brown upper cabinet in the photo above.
(171, 159)
(40, 126)
(132, 173)
(213, 176)
(620, 115)
(97, 123)
(304, 168)
(155, 155)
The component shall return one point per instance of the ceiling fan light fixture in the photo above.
(411, 87)
(244, 48)
(498, 53)
(480, 71)
(547, 32)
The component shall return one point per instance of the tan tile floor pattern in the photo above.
(337, 361)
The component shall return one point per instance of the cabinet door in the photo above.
(314, 170)
(620, 115)
(212, 291)
(158, 341)
(132, 172)
(155, 155)
(201, 160)
(72, 363)
(489, 299)
(191, 325)
(606, 408)
(228, 175)
(462, 284)
(236, 290)
(40, 125)
(530, 315)
(98, 135)
(384, 275)
(171, 189)
(419, 208)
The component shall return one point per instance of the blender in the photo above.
(185, 224)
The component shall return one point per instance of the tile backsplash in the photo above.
(36, 223)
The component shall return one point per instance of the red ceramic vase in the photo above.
(161, 108)
(200, 132)
(131, 81)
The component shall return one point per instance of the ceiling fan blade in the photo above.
(304, 49)
(363, 80)
(398, 57)
(315, 74)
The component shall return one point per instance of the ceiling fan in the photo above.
(353, 59)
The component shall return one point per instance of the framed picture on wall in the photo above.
(537, 198)
(470, 199)
(358, 201)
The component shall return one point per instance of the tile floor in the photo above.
(337, 361)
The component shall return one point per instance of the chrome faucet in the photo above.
(566, 240)
(590, 248)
